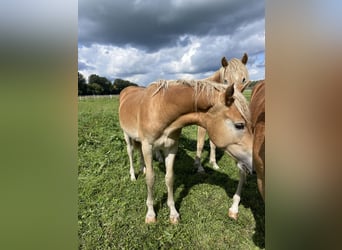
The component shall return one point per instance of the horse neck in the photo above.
(216, 77)
(187, 106)
(186, 96)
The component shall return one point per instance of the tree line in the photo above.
(98, 85)
(252, 84)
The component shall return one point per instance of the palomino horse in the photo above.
(257, 108)
(234, 71)
(154, 117)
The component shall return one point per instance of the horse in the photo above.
(234, 71)
(153, 118)
(257, 109)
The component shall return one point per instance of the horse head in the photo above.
(235, 71)
(228, 126)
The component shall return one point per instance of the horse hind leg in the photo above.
(142, 162)
(130, 150)
(159, 156)
(213, 155)
(200, 143)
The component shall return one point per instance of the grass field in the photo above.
(112, 208)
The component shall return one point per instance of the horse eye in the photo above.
(243, 80)
(239, 125)
(225, 81)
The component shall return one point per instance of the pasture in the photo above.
(112, 208)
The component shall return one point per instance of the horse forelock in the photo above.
(235, 66)
(242, 106)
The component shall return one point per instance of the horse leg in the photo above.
(147, 153)
(130, 148)
(234, 209)
(169, 180)
(260, 170)
(142, 162)
(259, 157)
(213, 155)
(159, 156)
(200, 143)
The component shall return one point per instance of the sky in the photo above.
(147, 40)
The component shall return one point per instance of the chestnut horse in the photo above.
(234, 71)
(257, 109)
(153, 118)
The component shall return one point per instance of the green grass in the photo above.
(112, 208)
(247, 92)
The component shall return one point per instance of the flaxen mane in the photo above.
(208, 87)
(198, 85)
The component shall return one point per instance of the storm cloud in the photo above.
(146, 40)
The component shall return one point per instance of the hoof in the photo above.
(200, 169)
(174, 220)
(215, 166)
(233, 215)
(150, 220)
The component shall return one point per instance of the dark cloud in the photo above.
(146, 40)
(84, 66)
(150, 25)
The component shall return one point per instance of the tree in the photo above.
(95, 89)
(120, 84)
(105, 84)
(82, 86)
(98, 85)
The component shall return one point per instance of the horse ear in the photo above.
(244, 59)
(224, 62)
(229, 95)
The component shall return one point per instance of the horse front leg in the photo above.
(234, 209)
(147, 153)
(213, 155)
(169, 180)
(200, 143)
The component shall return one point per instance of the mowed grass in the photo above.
(112, 208)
